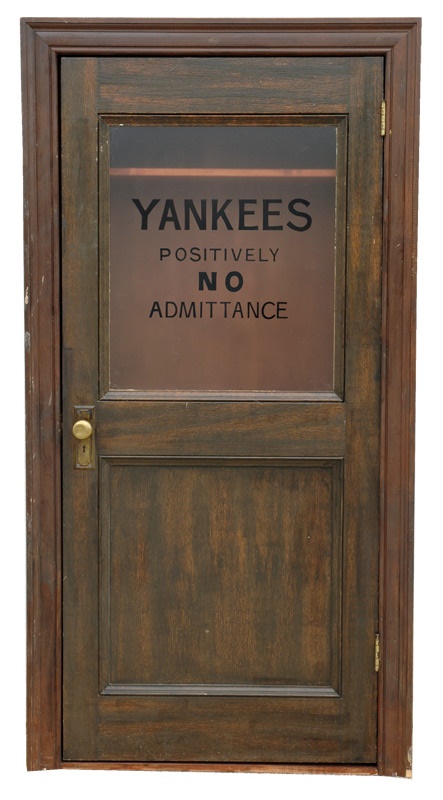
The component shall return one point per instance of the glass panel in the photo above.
(222, 257)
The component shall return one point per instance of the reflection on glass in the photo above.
(222, 257)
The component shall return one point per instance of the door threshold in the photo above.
(165, 766)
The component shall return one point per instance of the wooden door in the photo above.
(220, 553)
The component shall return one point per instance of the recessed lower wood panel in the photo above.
(226, 580)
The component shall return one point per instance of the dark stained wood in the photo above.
(80, 272)
(336, 720)
(398, 406)
(220, 722)
(244, 538)
(362, 386)
(245, 37)
(315, 430)
(42, 349)
(271, 85)
(42, 40)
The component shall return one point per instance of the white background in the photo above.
(428, 706)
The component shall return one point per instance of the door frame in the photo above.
(44, 42)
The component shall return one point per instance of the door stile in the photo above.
(80, 279)
(362, 371)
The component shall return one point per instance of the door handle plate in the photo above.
(83, 437)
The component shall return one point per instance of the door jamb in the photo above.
(44, 42)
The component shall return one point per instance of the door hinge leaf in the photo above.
(377, 652)
(383, 118)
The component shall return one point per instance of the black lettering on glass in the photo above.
(211, 282)
(169, 215)
(199, 217)
(268, 212)
(145, 212)
(218, 213)
(243, 212)
(228, 281)
(293, 210)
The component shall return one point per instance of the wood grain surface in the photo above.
(163, 525)
(43, 42)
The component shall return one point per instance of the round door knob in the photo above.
(82, 429)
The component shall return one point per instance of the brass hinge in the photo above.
(383, 118)
(377, 652)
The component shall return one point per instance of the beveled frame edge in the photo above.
(43, 41)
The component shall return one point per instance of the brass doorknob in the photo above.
(82, 429)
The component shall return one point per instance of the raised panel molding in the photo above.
(294, 519)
